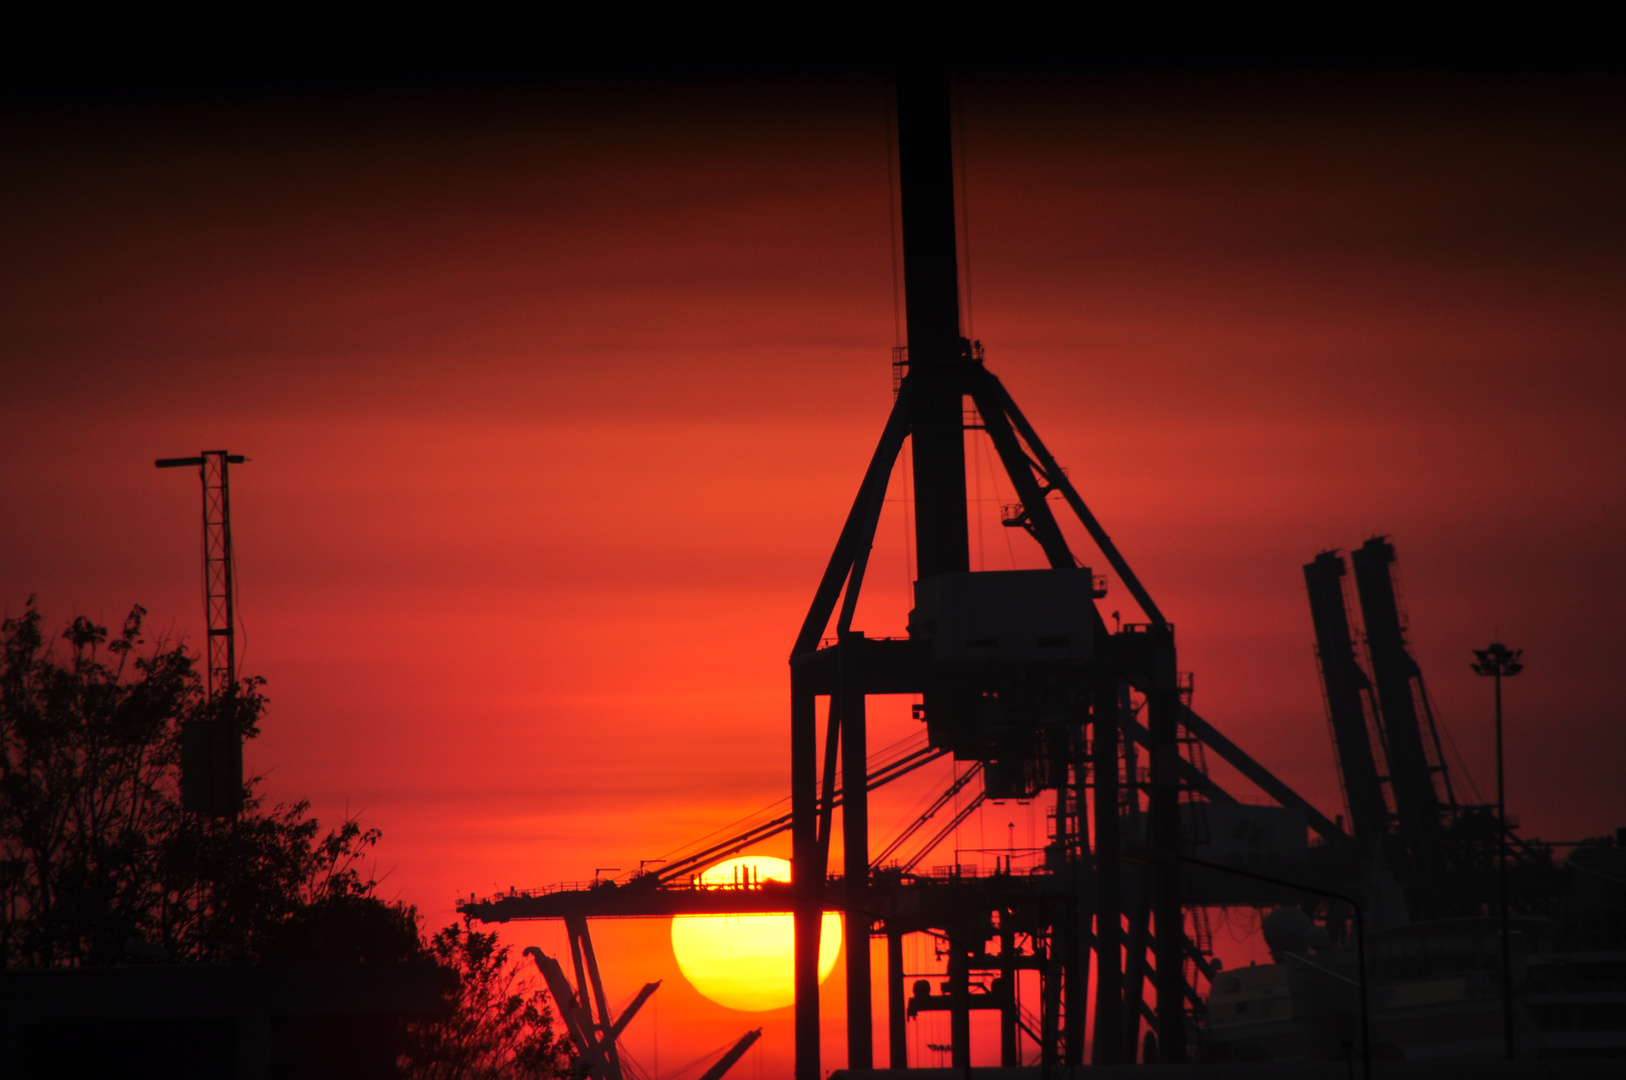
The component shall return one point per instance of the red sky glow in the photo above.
(556, 400)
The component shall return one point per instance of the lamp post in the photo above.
(1498, 661)
(1360, 932)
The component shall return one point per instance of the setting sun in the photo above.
(744, 961)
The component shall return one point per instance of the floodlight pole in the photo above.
(1496, 661)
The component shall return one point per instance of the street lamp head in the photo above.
(1498, 659)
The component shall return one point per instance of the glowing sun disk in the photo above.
(747, 961)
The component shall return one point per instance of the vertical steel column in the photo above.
(806, 874)
(959, 972)
(896, 1016)
(1136, 892)
(1081, 912)
(1050, 1001)
(855, 854)
(932, 306)
(1169, 933)
(1108, 878)
(1007, 996)
(1501, 885)
(1076, 980)
(1137, 895)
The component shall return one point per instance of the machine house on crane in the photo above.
(1018, 675)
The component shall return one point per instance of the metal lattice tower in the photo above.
(217, 571)
(214, 470)
(212, 747)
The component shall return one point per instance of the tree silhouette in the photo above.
(497, 1023)
(98, 861)
(100, 864)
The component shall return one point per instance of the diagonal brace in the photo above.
(852, 547)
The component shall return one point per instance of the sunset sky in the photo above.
(556, 398)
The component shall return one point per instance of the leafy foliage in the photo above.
(497, 1024)
(100, 864)
(96, 854)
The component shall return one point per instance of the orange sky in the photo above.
(557, 399)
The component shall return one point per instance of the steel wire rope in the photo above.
(631, 1066)
(900, 471)
(921, 820)
(772, 827)
(908, 534)
(878, 764)
(958, 104)
(892, 222)
(976, 472)
(1422, 689)
(1420, 695)
(1440, 728)
(708, 1056)
(898, 340)
(1033, 807)
(624, 1055)
(982, 834)
(999, 498)
(914, 813)
(682, 859)
(951, 828)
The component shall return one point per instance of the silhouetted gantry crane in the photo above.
(1018, 674)
(1408, 818)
